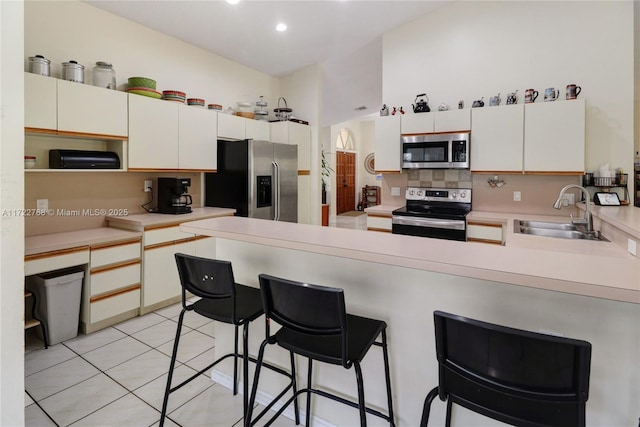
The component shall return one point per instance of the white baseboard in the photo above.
(264, 399)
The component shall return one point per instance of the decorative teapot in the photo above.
(478, 103)
(512, 98)
(421, 106)
(384, 111)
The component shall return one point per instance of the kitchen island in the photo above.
(584, 290)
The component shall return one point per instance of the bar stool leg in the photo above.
(361, 402)
(256, 376)
(245, 367)
(308, 415)
(448, 421)
(385, 354)
(235, 361)
(295, 388)
(174, 354)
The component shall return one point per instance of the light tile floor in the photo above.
(117, 376)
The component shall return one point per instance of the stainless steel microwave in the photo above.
(436, 151)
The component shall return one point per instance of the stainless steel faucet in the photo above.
(587, 221)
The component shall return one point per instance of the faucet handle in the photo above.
(579, 221)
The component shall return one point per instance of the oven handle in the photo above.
(449, 224)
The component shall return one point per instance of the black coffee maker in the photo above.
(173, 197)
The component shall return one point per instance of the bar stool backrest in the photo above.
(206, 278)
(305, 308)
(515, 376)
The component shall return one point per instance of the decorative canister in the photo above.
(39, 65)
(104, 75)
(73, 72)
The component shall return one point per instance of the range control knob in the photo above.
(420, 194)
(463, 195)
(453, 195)
(411, 192)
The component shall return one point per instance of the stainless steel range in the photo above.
(434, 212)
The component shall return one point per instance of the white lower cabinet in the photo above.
(485, 232)
(112, 293)
(161, 283)
(379, 222)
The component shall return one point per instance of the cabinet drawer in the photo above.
(113, 305)
(111, 279)
(111, 254)
(378, 223)
(48, 261)
(484, 232)
(162, 235)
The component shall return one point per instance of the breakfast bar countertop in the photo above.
(73, 239)
(590, 268)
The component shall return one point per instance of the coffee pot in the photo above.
(421, 106)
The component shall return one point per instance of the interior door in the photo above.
(345, 182)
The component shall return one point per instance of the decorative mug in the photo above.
(512, 98)
(551, 94)
(460, 104)
(573, 91)
(495, 100)
(530, 95)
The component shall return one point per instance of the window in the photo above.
(345, 140)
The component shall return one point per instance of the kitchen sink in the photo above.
(555, 229)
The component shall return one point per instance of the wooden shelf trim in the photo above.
(70, 134)
(162, 226)
(378, 215)
(55, 253)
(388, 171)
(384, 230)
(485, 224)
(115, 266)
(174, 242)
(116, 244)
(115, 293)
(304, 172)
(475, 239)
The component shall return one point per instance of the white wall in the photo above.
(468, 50)
(302, 91)
(11, 226)
(65, 30)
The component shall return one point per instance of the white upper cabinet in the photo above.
(497, 138)
(415, 123)
(387, 144)
(231, 127)
(197, 138)
(153, 133)
(554, 136)
(257, 129)
(451, 120)
(40, 102)
(90, 109)
(285, 132)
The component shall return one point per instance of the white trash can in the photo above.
(59, 294)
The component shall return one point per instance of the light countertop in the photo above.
(146, 220)
(72, 239)
(590, 268)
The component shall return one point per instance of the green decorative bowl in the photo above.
(142, 82)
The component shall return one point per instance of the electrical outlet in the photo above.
(568, 199)
(517, 196)
(632, 247)
(42, 204)
(395, 191)
(148, 185)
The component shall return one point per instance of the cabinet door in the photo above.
(417, 123)
(387, 144)
(153, 133)
(300, 135)
(304, 199)
(497, 135)
(554, 136)
(40, 102)
(231, 127)
(257, 129)
(161, 281)
(452, 121)
(279, 132)
(90, 109)
(198, 142)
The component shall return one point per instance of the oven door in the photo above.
(439, 228)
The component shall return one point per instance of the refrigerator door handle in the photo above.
(276, 179)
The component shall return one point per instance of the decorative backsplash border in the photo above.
(439, 178)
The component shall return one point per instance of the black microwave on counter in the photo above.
(436, 151)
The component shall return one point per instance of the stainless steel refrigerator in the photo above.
(257, 178)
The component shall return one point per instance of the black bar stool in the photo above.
(315, 325)
(514, 376)
(221, 299)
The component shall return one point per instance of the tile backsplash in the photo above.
(439, 178)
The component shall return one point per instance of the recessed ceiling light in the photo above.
(233, 1)
(281, 27)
